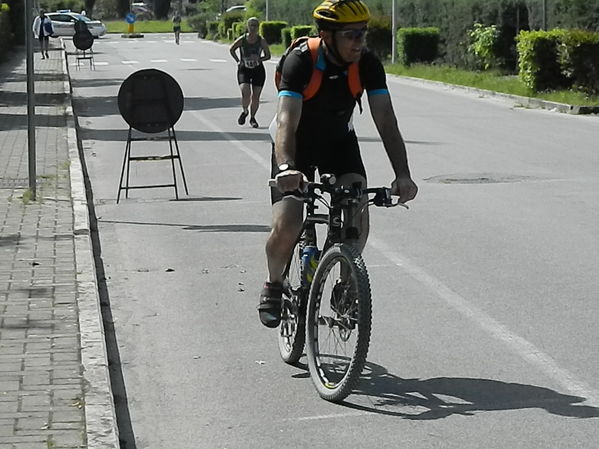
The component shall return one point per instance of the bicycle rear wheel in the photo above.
(292, 331)
(338, 322)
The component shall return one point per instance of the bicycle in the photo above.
(333, 310)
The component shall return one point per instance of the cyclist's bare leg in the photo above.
(362, 221)
(287, 216)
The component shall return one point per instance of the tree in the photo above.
(161, 8)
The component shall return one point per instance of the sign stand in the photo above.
(130, 19)
(151, 101)
(83, 41)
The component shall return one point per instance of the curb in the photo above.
(100, 414)
(516, 100)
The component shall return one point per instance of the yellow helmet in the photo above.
(333, 13)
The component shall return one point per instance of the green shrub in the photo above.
(286, 36)
(483, 45)
(578, 54)
(379, 36)
(302, 30)
(538, 60)
(238, 29)
(271, 31)
(230, 18)
(197, 23)
(417, 45)
(212, 29)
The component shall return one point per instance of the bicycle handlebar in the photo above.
(382, 195)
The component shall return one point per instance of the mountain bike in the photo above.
(330, 308)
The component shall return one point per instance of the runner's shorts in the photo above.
(339, 158)
(255, 76)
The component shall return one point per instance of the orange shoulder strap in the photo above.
(316, 77)
(353, 78)
(353, 73)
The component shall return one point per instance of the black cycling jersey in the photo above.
(328, 113)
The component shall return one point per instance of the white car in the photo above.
(64, 23)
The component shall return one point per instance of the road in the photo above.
(485, 291)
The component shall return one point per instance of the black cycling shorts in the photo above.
(255, 77)
(339, 158)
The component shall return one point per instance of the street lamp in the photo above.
(267, 10)
(545, 15)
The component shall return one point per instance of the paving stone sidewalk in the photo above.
(54, 392)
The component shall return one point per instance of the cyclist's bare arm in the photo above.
(289, 111)
(386, 124)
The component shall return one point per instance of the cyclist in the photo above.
(318, 133)
(251, 75)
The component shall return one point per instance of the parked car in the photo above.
(236, 8)
(142, 11)
(64, 23)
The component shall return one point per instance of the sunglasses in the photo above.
(353, 34)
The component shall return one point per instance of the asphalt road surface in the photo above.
(485, 292)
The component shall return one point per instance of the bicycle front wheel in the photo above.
(338, 322)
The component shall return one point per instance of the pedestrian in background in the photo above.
(177, 26)
(253, 51)
(43, 29)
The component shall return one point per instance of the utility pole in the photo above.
(30, 98)
(267, 10)
(545, 15)
(393, 32)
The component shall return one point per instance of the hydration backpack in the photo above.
(353, 71)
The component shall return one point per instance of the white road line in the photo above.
(331, 416)
(517, 344)
(239, 145)
(159, 60)
(218, 60)
(188, 60)
(130, 62)
(101, 63)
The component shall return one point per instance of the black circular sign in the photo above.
(79, 26)
(150, 101)
(83, 40)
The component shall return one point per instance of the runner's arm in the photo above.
(233, 49)
(266, 50)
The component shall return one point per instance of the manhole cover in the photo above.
(478, 178)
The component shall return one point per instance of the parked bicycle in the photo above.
(326, 292)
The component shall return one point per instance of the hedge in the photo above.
(538, 60)
(417, 45)
(271, 31)
(578, 54)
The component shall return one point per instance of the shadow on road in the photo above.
(441, 397)
(200, 228)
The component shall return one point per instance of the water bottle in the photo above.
(310, 257)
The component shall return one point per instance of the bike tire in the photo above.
(292, 330)
(333, 381)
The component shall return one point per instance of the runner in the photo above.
(251, 75)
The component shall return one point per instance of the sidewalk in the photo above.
(54, 385)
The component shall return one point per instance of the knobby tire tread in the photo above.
(360, 273)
